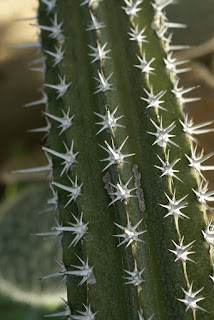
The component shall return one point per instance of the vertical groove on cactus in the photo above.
(123, 163)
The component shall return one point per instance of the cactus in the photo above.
(126, 175)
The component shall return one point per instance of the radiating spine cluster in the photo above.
(181, 251)
(123, 190)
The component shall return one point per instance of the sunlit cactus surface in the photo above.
(127, 176)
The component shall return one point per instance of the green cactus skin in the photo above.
(125, 241)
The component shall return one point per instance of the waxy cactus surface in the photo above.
(123, 163)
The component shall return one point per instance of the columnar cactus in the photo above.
(125, 171)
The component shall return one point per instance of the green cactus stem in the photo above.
(126, 175)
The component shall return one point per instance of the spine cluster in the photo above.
(90, 151)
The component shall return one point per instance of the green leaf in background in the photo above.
(23, 296)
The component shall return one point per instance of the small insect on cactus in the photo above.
(124, 169)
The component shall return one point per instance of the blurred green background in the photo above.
(25, 258)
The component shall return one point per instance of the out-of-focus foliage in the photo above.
(20, 270)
